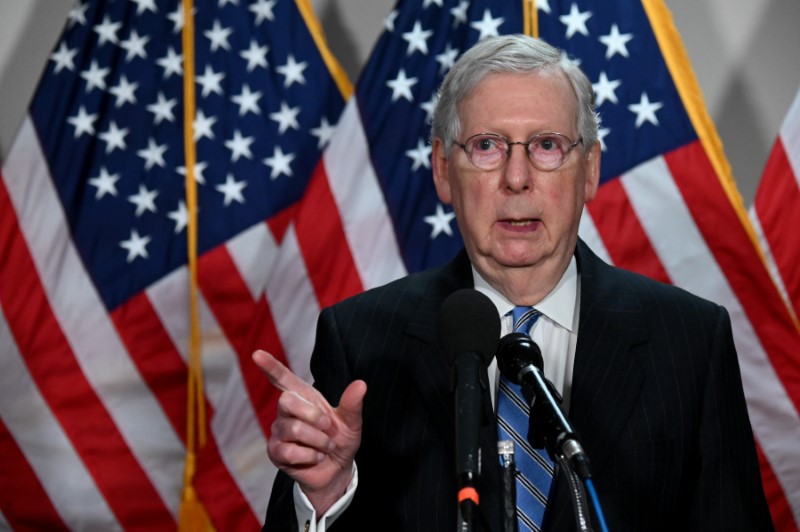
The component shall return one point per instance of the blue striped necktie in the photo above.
(535, 467)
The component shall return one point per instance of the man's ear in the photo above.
(592, 173)
(441, 179)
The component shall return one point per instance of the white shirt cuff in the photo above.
(307, 516)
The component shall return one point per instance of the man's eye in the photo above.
(547, 144)
(486, 144)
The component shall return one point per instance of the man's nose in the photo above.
(518, 169)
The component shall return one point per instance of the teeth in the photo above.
(521, 223)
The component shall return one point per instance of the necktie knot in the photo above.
(524, 318)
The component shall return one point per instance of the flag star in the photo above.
(106, 183)
(162, 109)
(247, 101)
(142, 5)
(440, 222)
(487, 26)
(153, 154)
(616, 43)
(263, 10)
(575, 21)
(239, 146)
(223, 3)
(202, 126)
(426, 3)
(256, 56)
(645, 110)
(63, 58)
(602, 133)
(114, 137)
(429, 106)
(417, 39)
(95, 77)
(107, 31)
(145, 200)
(324, 133)
(421, 155)
(136, 245)
(172, 63)
(124, 92)
(401, 86)
(180, 216)
(460, 13)
(293, 71)
(280, 163)
(447, 58)
(286, 118)
(544, 5)
(134, 46)
(77, 14)
(177, 18)
(232, 190)
(604, 90)
(83, 122)
(388, 22)
(199, 168)
(211, 81)
(218, 36)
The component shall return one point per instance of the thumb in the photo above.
(351, 404)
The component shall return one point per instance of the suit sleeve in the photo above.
(729, 492)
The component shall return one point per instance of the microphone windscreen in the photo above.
(515, 352)
(468, 322)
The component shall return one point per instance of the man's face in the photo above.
(517, 216)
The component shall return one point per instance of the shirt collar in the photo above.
(558, 305)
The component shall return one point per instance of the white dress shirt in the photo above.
(556, 333)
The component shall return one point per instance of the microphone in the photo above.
(468, 328)
(519, 359)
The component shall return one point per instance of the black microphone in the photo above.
(519, 359)
(468, 329)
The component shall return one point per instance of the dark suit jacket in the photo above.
(656, 398)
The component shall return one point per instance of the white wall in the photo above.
(744, 52)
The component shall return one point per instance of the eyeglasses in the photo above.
(546, 151)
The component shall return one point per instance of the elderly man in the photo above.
(648, 372)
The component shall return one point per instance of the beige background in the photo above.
(746, 55)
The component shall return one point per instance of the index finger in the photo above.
(280, 376)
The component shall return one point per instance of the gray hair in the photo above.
(519, 54)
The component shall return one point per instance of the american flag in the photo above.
(776, 216)
(94, 305)
(366, 214)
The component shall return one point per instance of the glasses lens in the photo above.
(486, 151)
(549, 151)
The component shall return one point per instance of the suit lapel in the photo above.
(607, 376)
(433, 380)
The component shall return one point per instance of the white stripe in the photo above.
(772, 266)
(588, 232)
(685, 255)
(362, 208)
(790, 137)
(254, 251)
(49, 452)
(234, 424)
(80, 313)
(294, 305)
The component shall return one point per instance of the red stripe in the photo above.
(162, 367)
(63, 386)
(247, 324)
(323, 242)
(778, 206)
(25, 504)
(736, 255)
(623, 236)
(781, 512)
(152, 351)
